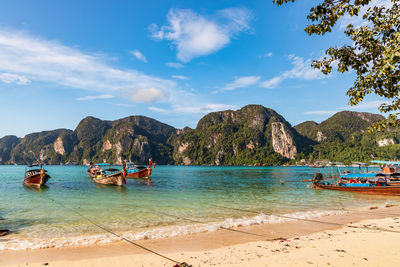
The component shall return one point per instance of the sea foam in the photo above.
(15, 243)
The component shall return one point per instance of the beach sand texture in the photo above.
(338, 240)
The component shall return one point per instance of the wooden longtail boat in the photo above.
(139, 172)
(388, 173)
(36, 176)
(110, 176)
(134, 171)
(372, 184)
(385, 189)
(96, 169)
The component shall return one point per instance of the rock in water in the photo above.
(4, 232)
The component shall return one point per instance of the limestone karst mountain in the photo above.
(252, 134)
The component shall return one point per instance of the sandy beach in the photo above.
(365, 237)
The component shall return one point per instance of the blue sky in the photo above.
(174, 61)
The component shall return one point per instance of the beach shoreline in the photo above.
(248, 242)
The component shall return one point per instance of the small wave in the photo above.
(161, 232)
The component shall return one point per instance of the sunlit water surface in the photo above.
(178, 200)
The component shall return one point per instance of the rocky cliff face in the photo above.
(253, 134)
(386, 142)
(50, 143)
(7, 144)
(59, 146)
(282, 141)
(339, 127)
(344, 137)
(133, 138)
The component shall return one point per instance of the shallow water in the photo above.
(178, 200)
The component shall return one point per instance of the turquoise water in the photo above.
(178, 200)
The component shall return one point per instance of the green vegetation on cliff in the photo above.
(344, 138)
(7, 144)
(29, 149)
(253, 134)
(135, 138)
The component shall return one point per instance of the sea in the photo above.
(71, 210)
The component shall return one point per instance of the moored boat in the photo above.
(137, 171)
(388, 173)
(366, 188)
(110, 176)
(36, 176)
(96, 169)
(374, 185)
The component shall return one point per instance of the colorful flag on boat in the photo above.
(42, 174)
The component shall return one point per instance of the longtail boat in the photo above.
(390, 170)
(366, 188)
(110, 176)
(96, 169)
(388, 173)
(135, 171)
(36, 176)
(375, 185)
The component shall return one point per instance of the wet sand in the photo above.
(338, 240)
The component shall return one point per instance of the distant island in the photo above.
(251, 135)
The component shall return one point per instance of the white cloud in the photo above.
(180, 77)
(148, 95)
(368, 105)
(270, 54)
(241, 82)
(13, 78)
(301, 70)
(196, 35)
(321, 112)
(122, 105)
(194, 109)
(159, 110)
(357, 21)
(174, 65)
(52, 62)
(272, 83)
(139, 55)
(93, 97)
(204, 109)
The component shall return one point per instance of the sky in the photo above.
(173, 61)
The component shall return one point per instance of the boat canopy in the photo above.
(386, 162)
(357, 175)
(36, 170)
(111, 170)
(360, 163)
(334, 163)
(141, 167)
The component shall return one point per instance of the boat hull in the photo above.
(390, 190)
(91, 174)
(145, 173)
(114, 179)
(35, 180)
